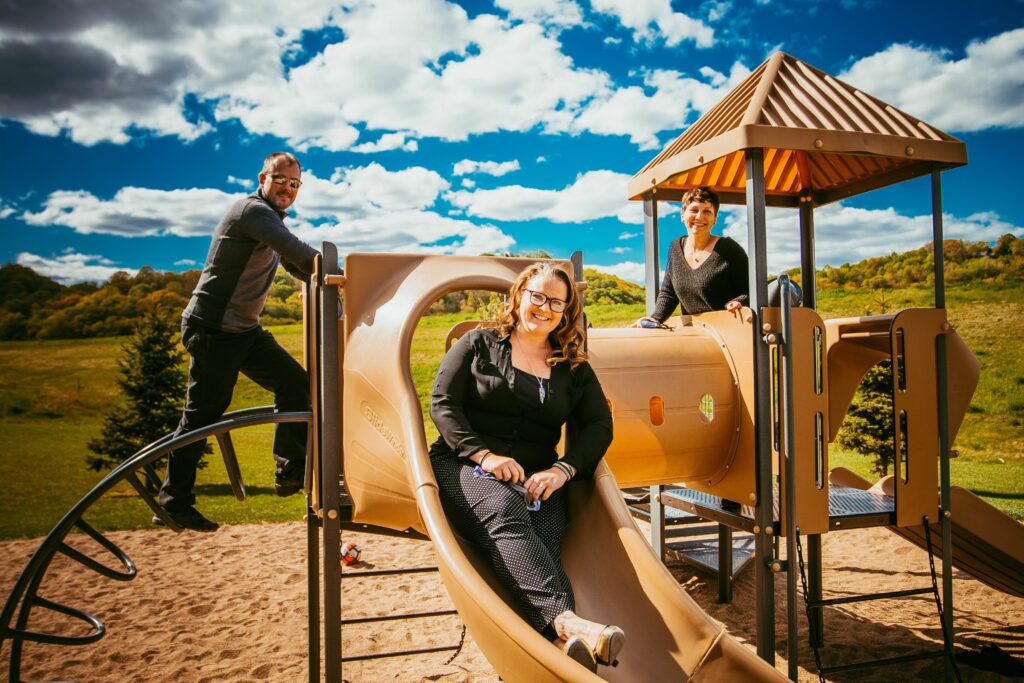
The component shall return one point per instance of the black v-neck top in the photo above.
(721, 278)
(479, 401)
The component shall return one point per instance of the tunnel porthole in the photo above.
(707, 407)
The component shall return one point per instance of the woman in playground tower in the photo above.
(499, 402)
(705, 272)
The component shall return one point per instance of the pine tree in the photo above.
(868, 427)
(153, 385)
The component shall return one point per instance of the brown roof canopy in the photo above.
(820, 137)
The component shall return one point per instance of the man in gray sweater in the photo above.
(221, 330)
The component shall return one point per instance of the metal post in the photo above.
(790, 469)
(809, 284)
(943, 421)
(652, 270)
(331, 471)
(657, 522)
(725, 564)
(807, 250)
(763, 511)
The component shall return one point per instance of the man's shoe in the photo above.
(289, 484)
(189, 518)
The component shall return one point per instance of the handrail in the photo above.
(25, 589)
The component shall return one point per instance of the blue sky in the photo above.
(441, 127)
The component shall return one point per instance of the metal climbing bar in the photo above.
(24, 596)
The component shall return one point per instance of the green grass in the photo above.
(53, 395)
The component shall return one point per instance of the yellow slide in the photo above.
(987, 544)
(615, 574)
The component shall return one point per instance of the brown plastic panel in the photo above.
(917, 481)
(811, 501)
(987, 543)
(668, 636)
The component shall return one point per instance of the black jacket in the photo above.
(474, 406)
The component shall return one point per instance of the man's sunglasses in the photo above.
(285, 180)
(540, 298)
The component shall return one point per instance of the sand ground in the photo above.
(231, 606)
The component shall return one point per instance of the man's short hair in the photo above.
(268, 163)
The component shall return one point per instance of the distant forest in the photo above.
(35, 307)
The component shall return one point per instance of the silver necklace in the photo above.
(541, 391)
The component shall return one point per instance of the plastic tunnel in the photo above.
(615, 574)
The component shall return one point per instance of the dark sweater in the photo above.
(247, 246)
(476, 404)
(708, 287)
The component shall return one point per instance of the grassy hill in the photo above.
(53, 394)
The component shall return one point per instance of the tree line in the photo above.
(36, 307)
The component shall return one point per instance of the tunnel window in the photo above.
(707, 407)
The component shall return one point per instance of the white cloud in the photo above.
(620, 250)
(541, 159)
(421, 66)
(654, 19)
(558, 13)
(366, 208)
(629, 235)
(412, 68)
(593, 195)
(627, 270)
(494, 168)
(845, 234)
(6, 210)
(135, 211)
(718, 10)
(186, 262)
(981, 90)
(242, 182)
(468, 183)
(105, 72)
(386, 143)
(70, 267)
(631, 111)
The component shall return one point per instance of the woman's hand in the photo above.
(542, 484)
(503, 469)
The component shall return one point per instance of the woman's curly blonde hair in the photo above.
(567, 338)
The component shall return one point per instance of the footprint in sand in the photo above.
(200, 610)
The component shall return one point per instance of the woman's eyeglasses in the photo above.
(540, 298)
(285, 180)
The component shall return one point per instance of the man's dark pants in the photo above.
(216, 359)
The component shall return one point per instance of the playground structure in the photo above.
(739, 407)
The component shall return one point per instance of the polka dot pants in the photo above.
(524, 547)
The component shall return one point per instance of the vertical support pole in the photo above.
(809, 284)
(764, 580)
(331, 468)
(725, 567)
(310, 298)
(942, 391)
(657, 522)
(807, 269)
(789, 447)
(313, 592)
(652, 270)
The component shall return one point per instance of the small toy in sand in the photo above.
(350, 553)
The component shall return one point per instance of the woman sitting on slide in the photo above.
(499, 402)
(705, 272)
